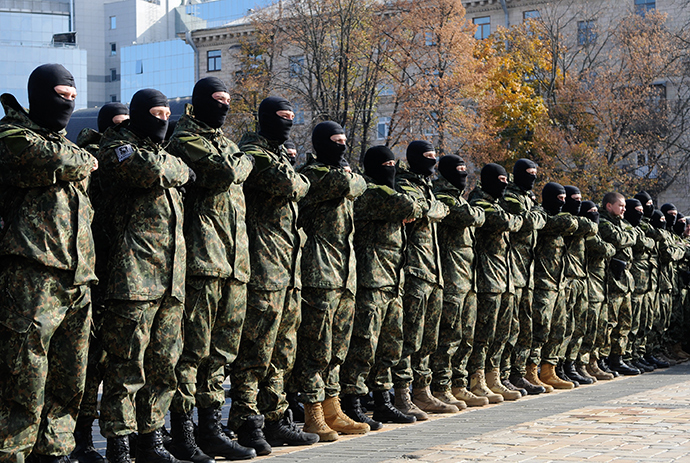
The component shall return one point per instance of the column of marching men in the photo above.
(321, 293)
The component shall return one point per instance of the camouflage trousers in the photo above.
(561, 329)
(95, 368)
(422, 306)
(578, 309)
(510, 349)
(649, 312)
(376, 342)
(462, 355)
(637, 322)
(450, 336)
(323, 340)
(44, 328)
(662, 319)
(489, 338)
(143, 342)
(676, 332)
(620, 318)
(543, 305)
(261, 323)
(520, 344)
(213, 318)
(593, 339)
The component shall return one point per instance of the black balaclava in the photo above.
(520, 176)
(448, 167)
(206, 108)
(670, 218)
(327, 151)
(490, 182)
(141, 121)
(46, 107)
(679, 227)
(643, 197)
(658, 219)
(272, 126)
(373, 160)
(584, 211)
(107, 112)
(571, 205)
(549, 198)
(632, 215)
(415, 157)
(291, 146)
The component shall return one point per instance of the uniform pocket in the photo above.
(120, 330)
(15, 331)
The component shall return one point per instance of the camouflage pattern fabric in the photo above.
(522, 343)
(619, 307)
(143, 343)
(449, 340)
(509, 353)
(488, 306)
(468, 322)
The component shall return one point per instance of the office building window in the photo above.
(382, 128)
(113, 75)
(296, 66)
(586, 32)
(113, 98)
(213, 59)
(139, 67)
(113, 49)
(113, 22)
(483, 27)
(530, 14)
(643, 6)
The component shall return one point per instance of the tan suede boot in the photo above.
(314, 422)
(677, 349)
(423, 399)
(581, 368)
(548, 376)
(461, 393)
(403, 402)
(479, 388)
(448, 398)
(337, 420)
(493, 382)
(533, 377)
(594, 370)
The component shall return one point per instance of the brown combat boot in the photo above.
(314, 422)
(423, 399)
(338, 421)
(493, 382)
(533, 378)
(596, 372)
(677, 349)
(461, 393)
(581, 368)
(403, 402)
(448, 398)
(479, 388)
(548, 376)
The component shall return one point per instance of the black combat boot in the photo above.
(150, 449)
(572, 374)
(643, 367)
(183, 444)
(561, 374)
(296, 407)
(213, 440)
(353, 409)
(385, 412)
(522, 383)
(647, 364)
(285, 432)
(604, 366)
(84, 451)
(617, 364)
(250, 434)
(656, 362)
(36, 458)
(117, 450)
(512, 387)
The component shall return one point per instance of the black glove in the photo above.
(617, 267)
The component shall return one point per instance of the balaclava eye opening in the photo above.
(46, 107)
(643, 197)
(490, 182)
(657, 221)
(327, 151)
(107, 112)
(632, 215)
(670, 218)
(448, 168)
(585, 208)
(142, 122)
(571, 206)
(271, 125)
(521, 177)
(206, 108)
(419, 164)
(549, 198)
(374, 168)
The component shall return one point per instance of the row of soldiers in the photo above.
(318, 286)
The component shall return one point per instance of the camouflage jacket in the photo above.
(43, 200)
(327, 217)
(550, 251)
(422, 256)
(670, 251)
(492, 244)
(147, 250)
(214, 224)
(90, 140)
(456, 238)
(380, 235)
(575, 261)
(522, 242)
(272, 191)
(598, 253)
(643, 251)
(623, 237)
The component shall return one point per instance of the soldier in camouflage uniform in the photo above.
(46, 265)
(520, 199)
(329, 279)
(145, 287)
(272, 191)
(548, 309)
(675, 335)
(376, 343)
(495, 290)
(456, 241)
(109, 115)
(423, 288)
(598, 252)
(217, 273)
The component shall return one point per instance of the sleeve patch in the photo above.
(123, 152)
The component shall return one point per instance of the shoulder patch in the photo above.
(123, 152)
(15, 139)
(195, 146)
